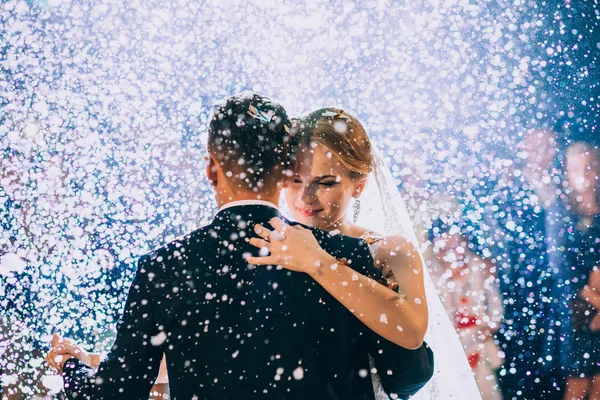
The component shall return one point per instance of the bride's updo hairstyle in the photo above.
(340, 132)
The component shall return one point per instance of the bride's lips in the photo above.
(309, 212)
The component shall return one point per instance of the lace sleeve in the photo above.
(375, 241)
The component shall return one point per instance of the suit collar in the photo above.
(255, 202)
(248, 213)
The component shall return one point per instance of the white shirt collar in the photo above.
(248, 203)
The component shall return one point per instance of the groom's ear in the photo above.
(211, 171)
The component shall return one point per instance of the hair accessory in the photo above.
(333, 114)
(260, 115)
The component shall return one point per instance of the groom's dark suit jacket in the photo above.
(234, 331)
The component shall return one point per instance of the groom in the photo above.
(234, 331)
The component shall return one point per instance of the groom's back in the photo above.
(234, 331)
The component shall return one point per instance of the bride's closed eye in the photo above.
(328, 183)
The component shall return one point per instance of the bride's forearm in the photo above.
(381, 309)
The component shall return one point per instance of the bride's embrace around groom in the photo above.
(254, 305)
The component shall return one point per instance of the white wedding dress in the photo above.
(383, 210)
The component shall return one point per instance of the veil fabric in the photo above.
(383, 210)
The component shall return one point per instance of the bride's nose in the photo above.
(309, 194)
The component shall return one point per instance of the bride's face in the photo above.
(322, 188)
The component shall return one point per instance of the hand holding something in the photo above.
(595, 324)
(594, 278)
(293, 247)
(590, 292)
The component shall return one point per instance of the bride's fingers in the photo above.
(269, 260)
(262, 231)
(62, 351)
(55, 340)
(256, 242)
(278, 224)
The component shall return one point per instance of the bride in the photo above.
(338, 167)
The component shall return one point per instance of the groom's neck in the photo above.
(225, 195)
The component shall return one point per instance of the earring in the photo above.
(356, 207)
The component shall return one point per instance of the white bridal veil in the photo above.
(383, 210)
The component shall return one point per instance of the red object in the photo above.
(473, 359)
(464, 320)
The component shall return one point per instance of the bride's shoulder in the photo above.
(398, 242)
(397, 246)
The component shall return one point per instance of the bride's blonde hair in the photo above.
(340, 132)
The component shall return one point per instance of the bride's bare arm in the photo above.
(402, 321)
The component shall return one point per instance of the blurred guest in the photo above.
(470, 294)
(580, 327)
(518, 225)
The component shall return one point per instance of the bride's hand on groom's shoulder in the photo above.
(63, 349)
(293, 247)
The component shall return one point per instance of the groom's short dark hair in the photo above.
(248, 135)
